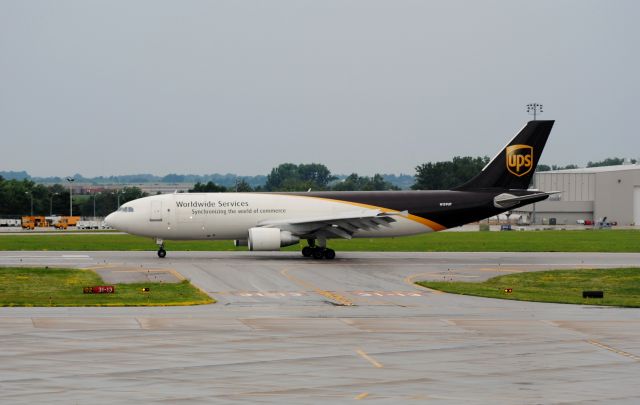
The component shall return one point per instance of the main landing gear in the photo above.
(161, 252)
(318, 252)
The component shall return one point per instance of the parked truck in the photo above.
(72, 221)
(61, 223)
(68, 221)
(88, 225)
(32, 222)
(28, 223)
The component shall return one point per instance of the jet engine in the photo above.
(270, 239)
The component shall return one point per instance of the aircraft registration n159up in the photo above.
(269, 221)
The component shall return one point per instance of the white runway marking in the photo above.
(48, 257)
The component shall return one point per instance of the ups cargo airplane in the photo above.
(268, 221)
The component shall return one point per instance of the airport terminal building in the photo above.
(588, 194)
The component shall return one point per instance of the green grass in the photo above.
(621, 286)
(530, 241)
(43, 287)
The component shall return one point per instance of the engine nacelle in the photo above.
(264, 239)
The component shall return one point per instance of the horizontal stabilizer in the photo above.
(506, 200)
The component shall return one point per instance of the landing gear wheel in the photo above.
(307, 251)
(318, 253)
(329, 254)
(162, 253)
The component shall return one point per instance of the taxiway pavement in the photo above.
(294, 330)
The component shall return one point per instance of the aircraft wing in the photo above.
(341, 226)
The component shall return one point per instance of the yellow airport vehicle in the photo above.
(28, 223)
(62, 223)
(32, 222)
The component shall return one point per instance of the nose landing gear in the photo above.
(161, 252)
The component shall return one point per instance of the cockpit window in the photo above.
(125, 209)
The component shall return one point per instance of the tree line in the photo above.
(16, 195)
(143, 178)
(303, 177)
(429, 176)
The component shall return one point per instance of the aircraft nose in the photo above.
(110, 220)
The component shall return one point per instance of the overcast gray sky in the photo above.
(123, 87)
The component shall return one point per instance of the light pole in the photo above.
(51, 203)
(118, 197)
(94, 205)
(70, 180)
(533, 215)
(31, 195)
(534, 109)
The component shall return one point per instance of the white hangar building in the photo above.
(588, 194)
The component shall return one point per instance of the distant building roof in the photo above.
(600, 169)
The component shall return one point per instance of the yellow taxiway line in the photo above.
(501, 270)
(613, 349)
(342, 300)
(411, 281)
(129, 269)
(368, 358)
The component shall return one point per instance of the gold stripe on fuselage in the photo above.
(426, 222)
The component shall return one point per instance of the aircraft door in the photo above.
(156, 210)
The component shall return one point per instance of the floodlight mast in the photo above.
(94, 204)
(31, 195)
(534, 109)
(70, 180)
(51, 203)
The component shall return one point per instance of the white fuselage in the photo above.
(230, 215)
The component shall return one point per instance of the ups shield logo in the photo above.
(519, 159)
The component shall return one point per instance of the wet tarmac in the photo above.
(293, 330)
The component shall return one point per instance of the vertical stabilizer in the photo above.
(514, 165)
